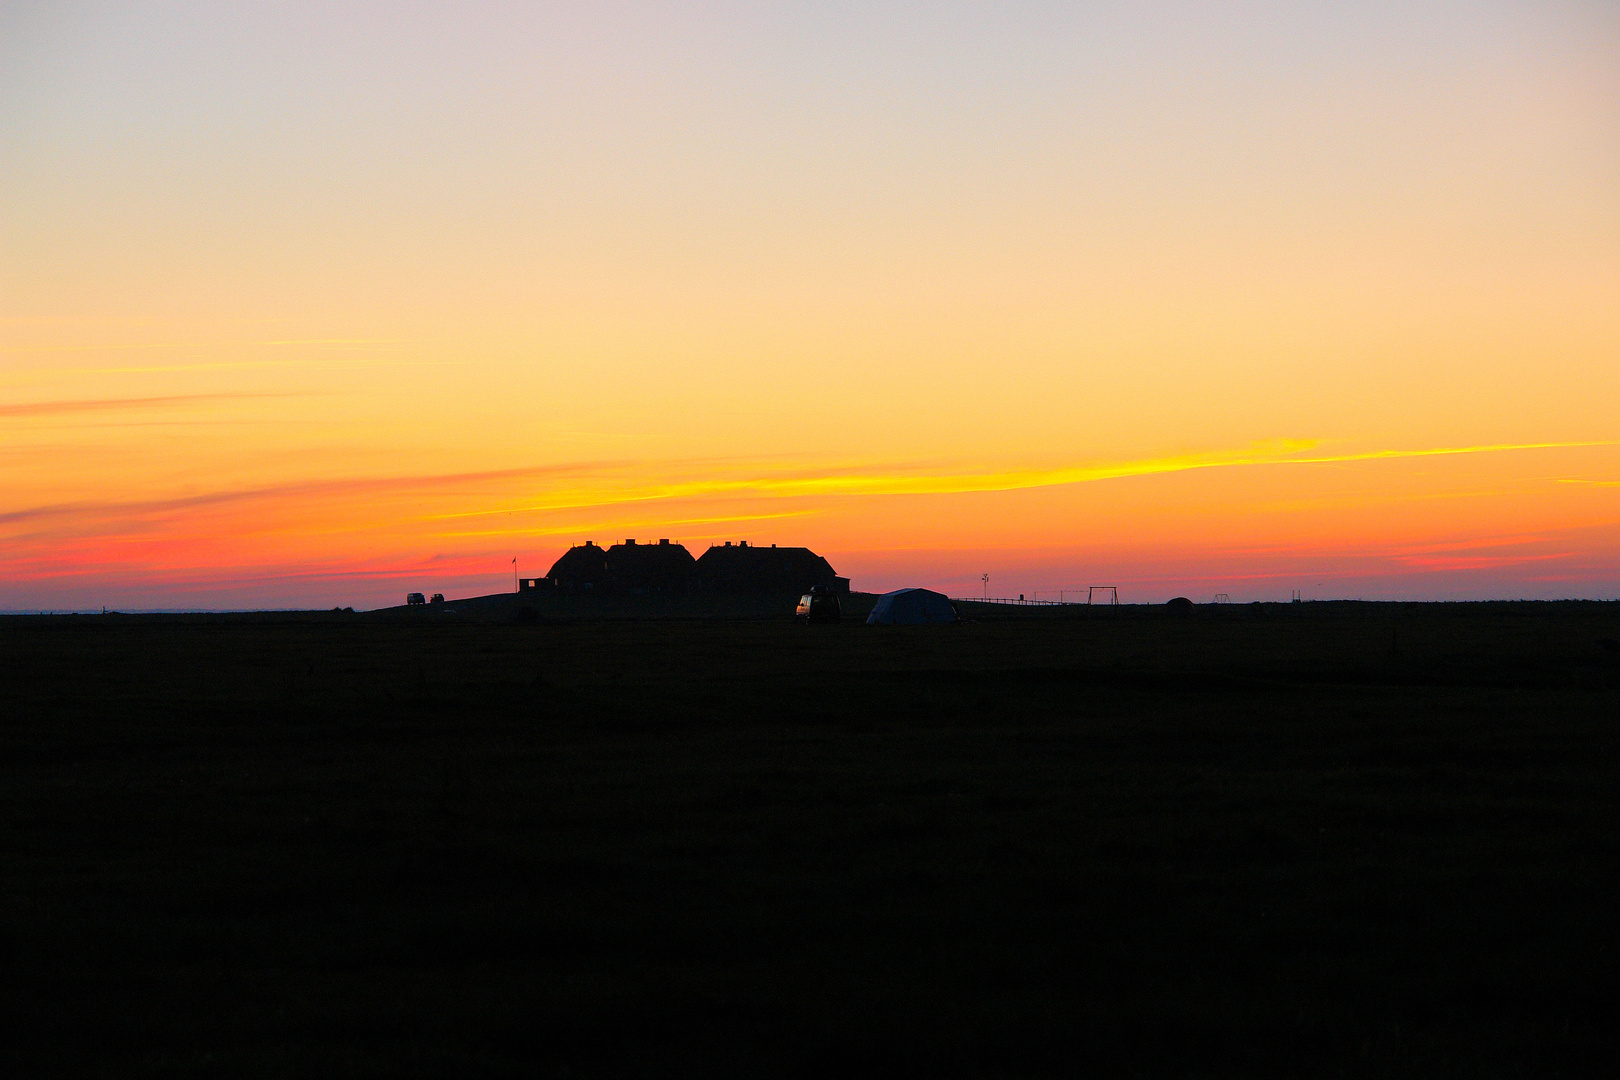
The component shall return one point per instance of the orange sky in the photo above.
(301, 307)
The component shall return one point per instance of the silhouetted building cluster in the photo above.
(666, 568)
(739, 568)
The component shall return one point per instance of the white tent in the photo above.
(911, 607)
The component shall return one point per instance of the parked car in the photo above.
(819, 605)
(415, 598)
(438, 598)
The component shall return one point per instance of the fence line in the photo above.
(1017, 602)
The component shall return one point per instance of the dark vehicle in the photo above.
(819, 605)
(438, 598)
(415, 598)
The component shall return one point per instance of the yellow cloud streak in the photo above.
(1278, 452)
(648, 523)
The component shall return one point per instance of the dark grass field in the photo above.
(1313, 840)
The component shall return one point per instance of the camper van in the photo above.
(818, 605)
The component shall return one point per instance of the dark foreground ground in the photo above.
(1313, 841)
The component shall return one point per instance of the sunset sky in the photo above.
(311, 304)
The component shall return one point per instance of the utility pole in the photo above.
(986, 580)
(515, 587)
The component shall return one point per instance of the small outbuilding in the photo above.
(912, 607)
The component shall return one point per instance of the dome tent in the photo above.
(911, 607)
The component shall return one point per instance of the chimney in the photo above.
(629, 543)
(663, 543)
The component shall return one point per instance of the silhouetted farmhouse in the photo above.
(623, 568)
(740, 568)
(649, 568)
(580, 569)
(667, 568)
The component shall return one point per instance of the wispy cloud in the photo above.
(886, 480)
(147, 346)
(597, 486)
(50, 408)
(629, 524)
(281, 363)
(284, 353)
(1483, 543)
(1477, 562)
(357, 487)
